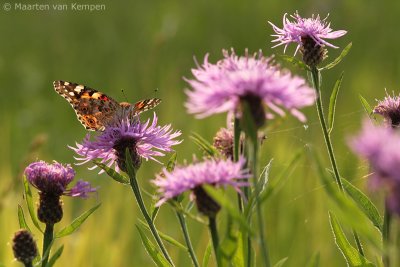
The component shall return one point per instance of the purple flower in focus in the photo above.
(53, 179)
(295, 32)
(224, 86)
(144, 140)
(380, 146)
(212, 172)
(389, 108)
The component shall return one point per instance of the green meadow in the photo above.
(143, 49)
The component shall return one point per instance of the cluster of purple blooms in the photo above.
(379, 145)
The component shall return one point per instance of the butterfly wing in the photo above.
(93, 108)
(146, 104)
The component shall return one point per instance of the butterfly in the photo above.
(94, 109)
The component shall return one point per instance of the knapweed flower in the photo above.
(380, 146)
(310, 34)
(389, 108)
(24, 247)
(253, 80)
(143, 140)
(52, 180)
(215, 172)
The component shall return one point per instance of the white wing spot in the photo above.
(71, 93)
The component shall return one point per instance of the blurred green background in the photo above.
(142, 46)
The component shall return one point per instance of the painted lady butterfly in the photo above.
(95, 109)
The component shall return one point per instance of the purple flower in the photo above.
(222, 87)
(389, 108)
(380, 146)
(53, 179)
(144, 140)
(294, 32)
(212, 171)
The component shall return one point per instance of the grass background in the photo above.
(141, 46)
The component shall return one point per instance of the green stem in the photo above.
(260, 218)
(385, 237)
(47, 239)
(215, 239)
(182, 222)
(315, 73)
(139, 200)
(28, 264)
(315, 77)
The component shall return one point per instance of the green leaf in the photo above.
(76, 223)
(112, 173)
(204, 144)
(352, 256)
(344, 52)
(332, 103)
(314, 261)
(229, 244)
(238, 259)
(278, 181)
(365, 105)
(207, 255)
(21, 219)
(364, 203)
(281, 262)
(227, 203)
(153, 252)
(172, 162)
(296, 62)
(165, 237)
(29, 203)
(55, 256)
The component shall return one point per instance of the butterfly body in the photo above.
(94, 109)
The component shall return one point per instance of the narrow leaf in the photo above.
(21, 219)
(29, 203)
(112, 173)
(238, 259)
(281, 262)
(344, 52)
(152, 251)
(165, 237)
(352, 256)
(365, 105)
(171, 162)
(207, 255)
(203, 144)
(227, 203)
(332, 103)
(296, 62)
(76, 223)
(55, 256)
(364, 203)
(314, 261)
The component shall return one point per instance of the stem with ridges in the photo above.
(139, 200)
(182, 222)
(315, 77)
(47, 239)
(260, 220)
(315, 73)
(385, 236)
(212, 224)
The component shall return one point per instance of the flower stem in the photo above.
(47, 239)
(182, 222)
(139, 200)
(28, 264)
(260, 218)
(315, 73)
(316, 81)
(385, 237)
(215, 239)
